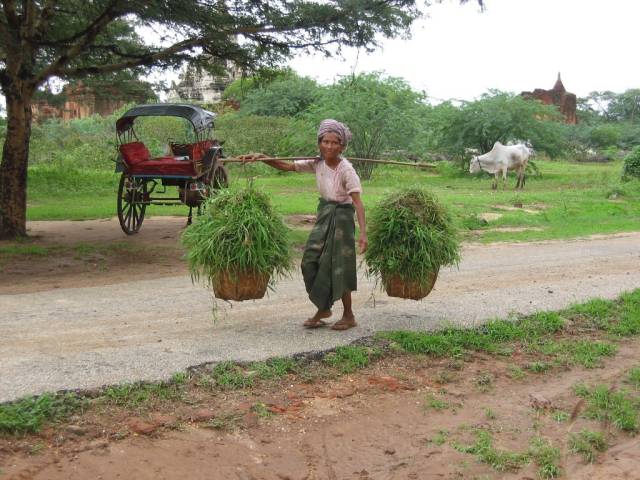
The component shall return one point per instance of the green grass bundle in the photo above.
(411, 236)
(238, 233)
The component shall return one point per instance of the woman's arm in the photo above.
(363, 242)
(277, 164)
(281, 165)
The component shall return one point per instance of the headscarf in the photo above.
(333, 126)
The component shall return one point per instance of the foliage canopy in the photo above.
(284, 97)
(498, 116)
(380, 111)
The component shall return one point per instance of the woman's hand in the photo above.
(251, 157)
(363, 243)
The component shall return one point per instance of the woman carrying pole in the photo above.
(329, 259)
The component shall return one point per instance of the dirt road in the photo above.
(121, 321)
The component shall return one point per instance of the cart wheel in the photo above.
(219, 177)
(132, 194)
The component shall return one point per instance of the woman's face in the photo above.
(330, 146)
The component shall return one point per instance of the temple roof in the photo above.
(559, 87)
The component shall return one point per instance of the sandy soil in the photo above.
(93, 252)
(375, 424)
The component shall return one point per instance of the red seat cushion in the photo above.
(134, 153)
(199, 149)
(164, 166)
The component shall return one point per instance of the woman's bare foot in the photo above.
(345, 323)
(316, 321)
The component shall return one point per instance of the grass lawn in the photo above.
(567, 200)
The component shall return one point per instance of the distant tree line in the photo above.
(389, 118)
(279, 112)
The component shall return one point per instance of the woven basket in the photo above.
(396, 287)
(240, 286)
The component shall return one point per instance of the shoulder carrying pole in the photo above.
(351, 159)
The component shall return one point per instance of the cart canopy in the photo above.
(200, 118)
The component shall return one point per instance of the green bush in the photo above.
(605, 135)
(631, 168)
(285, 97)
(31, 413)
(239, 232)
(411, 235)
(278, 136)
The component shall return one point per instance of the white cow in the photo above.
(501, 159)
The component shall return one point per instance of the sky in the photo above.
(459, 52)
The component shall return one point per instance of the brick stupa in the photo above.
(559, 97)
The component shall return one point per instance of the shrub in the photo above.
(604, 136)
(278, 136)
(631, 168)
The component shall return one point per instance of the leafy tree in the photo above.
(123, 85)
(240, 87)
(604, 135)
(383, 114)
(610, 106)
(629, 135)
(284, 136)
(595, 106)
(69, 39)
(498, 116)
(626, 106)
(284, 97)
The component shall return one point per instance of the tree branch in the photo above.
(10, 13)
(29, 12)
(43, 21)
(85, 39)
(148, 59)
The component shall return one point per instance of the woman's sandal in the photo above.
(344, 324)
(316, 321)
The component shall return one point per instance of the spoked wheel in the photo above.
(219, 177)
(132, 203)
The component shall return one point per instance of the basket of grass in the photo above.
(239, 246)
(411, 235)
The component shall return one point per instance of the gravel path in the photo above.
(147, 330)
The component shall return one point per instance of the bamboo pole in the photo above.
(351, 159)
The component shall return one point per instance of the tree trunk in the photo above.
(15, 157)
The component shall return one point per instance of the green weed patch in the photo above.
(541, 451)
(16, 250)
(617, 407)
(487, 338)
(588, 444)
(587, 353)
(546, 457)
(350, 358)
(29, 414)
(141, 395)
(230, 376)
(634, 377)
(485, 452)
(273, 368)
